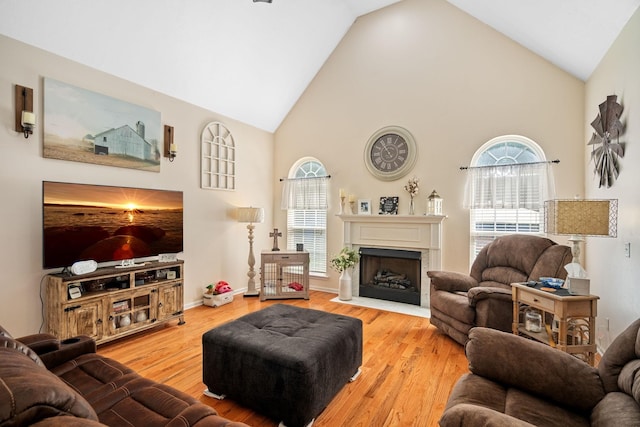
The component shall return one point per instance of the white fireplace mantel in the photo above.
(410, 232)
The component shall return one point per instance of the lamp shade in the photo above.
(582, 217)
(250, 214)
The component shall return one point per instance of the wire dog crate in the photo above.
(284, 274)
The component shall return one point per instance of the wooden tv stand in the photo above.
(114, 302)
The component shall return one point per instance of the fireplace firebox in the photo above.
(390, 274)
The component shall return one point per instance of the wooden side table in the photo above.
(284, 274)
(575, 316)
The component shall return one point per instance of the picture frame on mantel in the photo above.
(388, 205)
(364, 206)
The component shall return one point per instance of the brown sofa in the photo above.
(458, 302)
(518, 382)
(46, 382)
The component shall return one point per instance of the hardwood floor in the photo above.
(408, 370)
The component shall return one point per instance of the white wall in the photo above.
(454, 83)
(614, 278)
(216, 246)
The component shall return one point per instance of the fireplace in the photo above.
(390, 274)
(420, 235)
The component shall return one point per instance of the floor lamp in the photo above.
(251, 215)
(579, 217)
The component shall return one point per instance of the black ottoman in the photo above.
(283, 361)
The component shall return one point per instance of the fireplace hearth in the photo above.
(390, 274)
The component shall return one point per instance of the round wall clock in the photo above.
(390, 153)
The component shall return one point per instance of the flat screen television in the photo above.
(106, 223)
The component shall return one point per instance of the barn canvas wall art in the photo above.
(85, 126)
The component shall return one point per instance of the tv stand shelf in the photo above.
(114, 302)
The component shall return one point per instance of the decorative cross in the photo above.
(275, 234)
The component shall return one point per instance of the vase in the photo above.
(344, 291)
(411, 209)
(125, 320)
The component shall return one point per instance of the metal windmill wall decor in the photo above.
(608, 127)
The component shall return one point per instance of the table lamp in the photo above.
(579, 217)
(251, 215)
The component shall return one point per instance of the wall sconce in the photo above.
(170, 149)
(25, 117)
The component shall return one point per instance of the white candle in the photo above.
(28, 118)
(342, 192)
(352, 198)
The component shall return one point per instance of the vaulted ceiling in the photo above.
(251, 61)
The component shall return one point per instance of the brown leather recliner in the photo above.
(458, 302)
(533, 384)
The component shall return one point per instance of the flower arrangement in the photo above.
(347, 258)
(412, 187)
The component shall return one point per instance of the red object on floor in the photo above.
(296, 286)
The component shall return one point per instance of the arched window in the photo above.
(507, 184)
(307, 212)
(508, 150)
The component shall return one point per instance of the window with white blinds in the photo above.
(305, 198)
(309, 227)
(487, 224)
(507, 184)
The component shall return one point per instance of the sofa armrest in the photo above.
(480, 293)
(465, 414)
(70, 349)
(534, 367)
(451, 281)
(40, 343)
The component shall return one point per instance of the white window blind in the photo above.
(304, 196)
(309, 227)
(487, 224)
